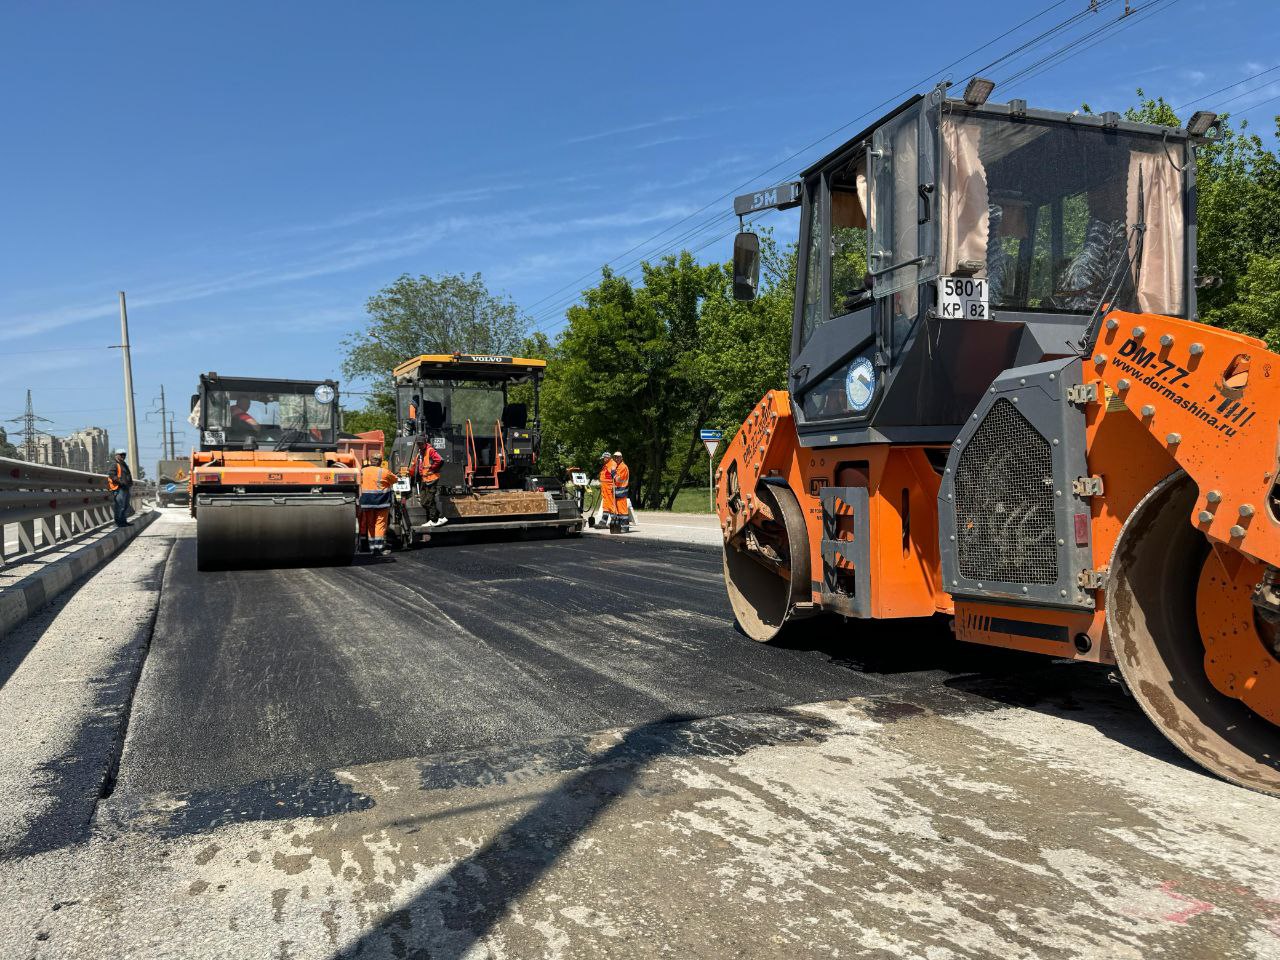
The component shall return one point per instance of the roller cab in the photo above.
(269, 485)
(1000, 409)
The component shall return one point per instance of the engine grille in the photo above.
(1006, 530)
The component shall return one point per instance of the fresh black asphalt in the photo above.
(257, 674)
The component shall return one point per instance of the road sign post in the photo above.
(711, 439)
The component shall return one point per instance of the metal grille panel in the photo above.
(1006, 530)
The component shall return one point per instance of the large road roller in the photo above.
(1001, 408)
(269, 486)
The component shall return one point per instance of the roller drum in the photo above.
(275, 532)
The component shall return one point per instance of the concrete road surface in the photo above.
(563, 749)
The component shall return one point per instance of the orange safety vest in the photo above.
(117, 473)
(375, 487)
(427, 464)
(621, 480)
(607, 502)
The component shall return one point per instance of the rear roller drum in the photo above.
(766, 571)
(1195, 653)
(275, 535)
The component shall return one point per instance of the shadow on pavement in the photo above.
(456, 912)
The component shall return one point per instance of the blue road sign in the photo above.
(710, 434)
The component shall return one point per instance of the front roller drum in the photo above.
(275, 532)
(766, 570)
(1191, 649)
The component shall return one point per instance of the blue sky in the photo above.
(251, 172)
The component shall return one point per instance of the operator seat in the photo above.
(433, 413)
(515, 416)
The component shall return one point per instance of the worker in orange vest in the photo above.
(120, 482)
(608, 505)
(375, 504)
(426, 468)
(621, 493)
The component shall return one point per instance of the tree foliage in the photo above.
(417, 315)
(7, 449)
(643, 368)
(1238, 217)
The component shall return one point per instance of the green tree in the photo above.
(417, 315)
(379, 413)
(645, 367)
(1256, 310)
(1238, 218)
(7, 449)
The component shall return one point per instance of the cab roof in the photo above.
(469, 366)
(1014, 109)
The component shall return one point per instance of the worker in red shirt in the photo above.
(426, 470)
(241, 423)
(375, 504)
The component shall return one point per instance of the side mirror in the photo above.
(746, 266)
(195, 398)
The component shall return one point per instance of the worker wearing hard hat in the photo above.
(376, 482)
(120, 482)
(608, 505)
(621, 493)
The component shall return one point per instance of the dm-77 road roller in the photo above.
(1012, 417)
(269, 486)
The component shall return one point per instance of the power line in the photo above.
(1261, 103)
(1214, 93)
(1131, 17)
(1247, 93)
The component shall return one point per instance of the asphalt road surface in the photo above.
(451, 648)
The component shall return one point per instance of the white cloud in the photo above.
(632, 128)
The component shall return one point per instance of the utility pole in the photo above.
(30, 432)
(130, 419)
(164, 418)
(173, 447)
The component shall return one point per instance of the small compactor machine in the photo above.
(1011, 416)
(269, 486)
(480, 414)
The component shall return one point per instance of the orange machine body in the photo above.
(1186, 401)
(259, 470)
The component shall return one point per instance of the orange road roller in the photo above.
(269, 484)
(1002, 408)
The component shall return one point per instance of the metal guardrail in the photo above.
(45, 506)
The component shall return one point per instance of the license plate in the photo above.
(963, 298)
(402, 485)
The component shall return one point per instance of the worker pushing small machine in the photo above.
(467, 450)
(269, 486)
(1012, 418)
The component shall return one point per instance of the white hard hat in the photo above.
(122, 453)
(617, 453)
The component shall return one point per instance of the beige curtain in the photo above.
(1160, 279)
(906, 237)
(965, 216)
